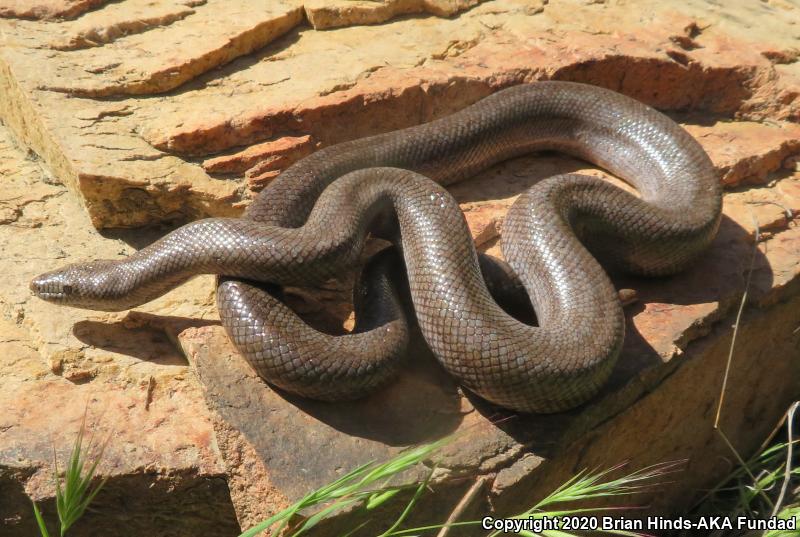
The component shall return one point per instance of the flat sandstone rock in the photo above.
(242, 76)
(123, 371)
(46, 9)
(658, 405)
(149, 113)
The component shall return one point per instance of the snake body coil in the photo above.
(310, 224)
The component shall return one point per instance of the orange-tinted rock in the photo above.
(46, 9)
(782, 56)
(139, 63)
(326, 14)
(271, 155)
(123, 371)
(120, 19)
(258, 179)
(748, 152)
(139, 161)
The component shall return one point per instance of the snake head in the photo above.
(81, 285)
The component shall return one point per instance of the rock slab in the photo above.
(104, 129)
(122, 372)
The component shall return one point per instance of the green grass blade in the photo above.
(83, 505)
(75, 466)
(786, 514)
(40, 520)
(284, 522)
(73, 490)
(351, 486)
(378, 499)
(83, 495)
(258, 528)
(60, 501)
(417, 495)
(317, 517)
(354, 486)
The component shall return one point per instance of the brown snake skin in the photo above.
(311, 222)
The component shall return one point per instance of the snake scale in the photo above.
(311, 223)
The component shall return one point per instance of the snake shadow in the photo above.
(421, 404)
(669, 312)
(143, 336)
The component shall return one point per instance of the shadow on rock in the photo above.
(669, 314)
(421, 405)
(140, 335)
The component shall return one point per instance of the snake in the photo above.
(311, 223)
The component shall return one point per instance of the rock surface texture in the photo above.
(151, 113)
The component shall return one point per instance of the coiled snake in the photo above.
(311, 223)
